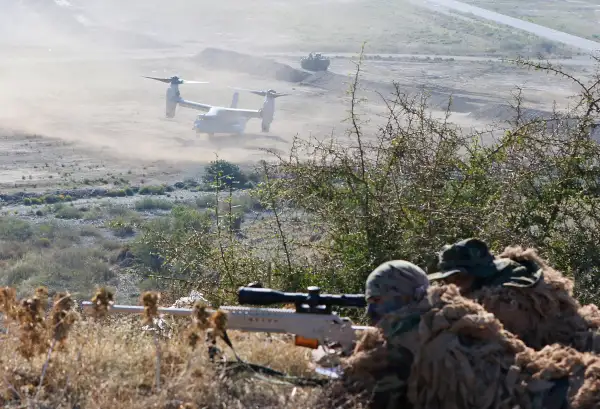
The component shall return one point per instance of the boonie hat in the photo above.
(469, 256)
(473, 257)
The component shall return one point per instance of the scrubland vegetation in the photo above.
(324, 214)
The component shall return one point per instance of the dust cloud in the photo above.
(73, 70)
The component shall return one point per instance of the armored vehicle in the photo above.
(315, 62)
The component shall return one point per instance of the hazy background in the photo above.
(72, 69)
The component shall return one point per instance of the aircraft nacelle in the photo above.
(172, 99)
(267, 113)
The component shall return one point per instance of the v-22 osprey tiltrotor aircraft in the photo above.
(217, 119)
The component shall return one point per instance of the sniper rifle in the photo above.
(312, 321)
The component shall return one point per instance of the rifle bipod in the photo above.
(239, 366)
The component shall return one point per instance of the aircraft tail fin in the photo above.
(234, 101)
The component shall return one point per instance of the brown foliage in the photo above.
(545, 314)
(150, 302)
(113, 364)
(489, 366)
(102, 300)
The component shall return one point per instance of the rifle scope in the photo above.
(267, 296)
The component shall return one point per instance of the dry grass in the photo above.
(110, 362)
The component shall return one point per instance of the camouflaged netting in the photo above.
(543, 313)
(447, 351)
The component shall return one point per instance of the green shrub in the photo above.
(68, 212)
(418, 184)
(116, 193)
(225, 173)
(50, 199)
(148, 203)
(153, 190)
(206, 201)
(121, 228)
(14, 229)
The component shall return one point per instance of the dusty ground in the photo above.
(101, 118)
(103, 115)
(74, 79)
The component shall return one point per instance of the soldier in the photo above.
(392, 286)
(438, 349)
(531, 299)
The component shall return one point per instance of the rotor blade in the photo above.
(166, 80)
(244, 89)
(179, 80)
(261, 93)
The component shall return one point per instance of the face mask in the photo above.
(376, 311)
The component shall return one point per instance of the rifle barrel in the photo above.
(138, 309)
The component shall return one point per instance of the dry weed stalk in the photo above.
(42, 294)
(200, 323)
(62, 318)
(102, 300)
(218, 322)
(33, 327)
(8, 303)
(214, 325)
(150, 301)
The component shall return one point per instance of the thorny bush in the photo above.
(417, 184)
(421, 183)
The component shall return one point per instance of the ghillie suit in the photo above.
(458, 356)
(390, 287)
(530, 298)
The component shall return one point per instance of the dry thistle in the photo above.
(102, 300)
(218, 322)
(150, 301)
(8, 303)
(33, 327)
(200, 322)
(193, 339)
(42, 294)
(200, 317)
(62, 317)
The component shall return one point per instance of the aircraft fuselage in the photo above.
(214, 125)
